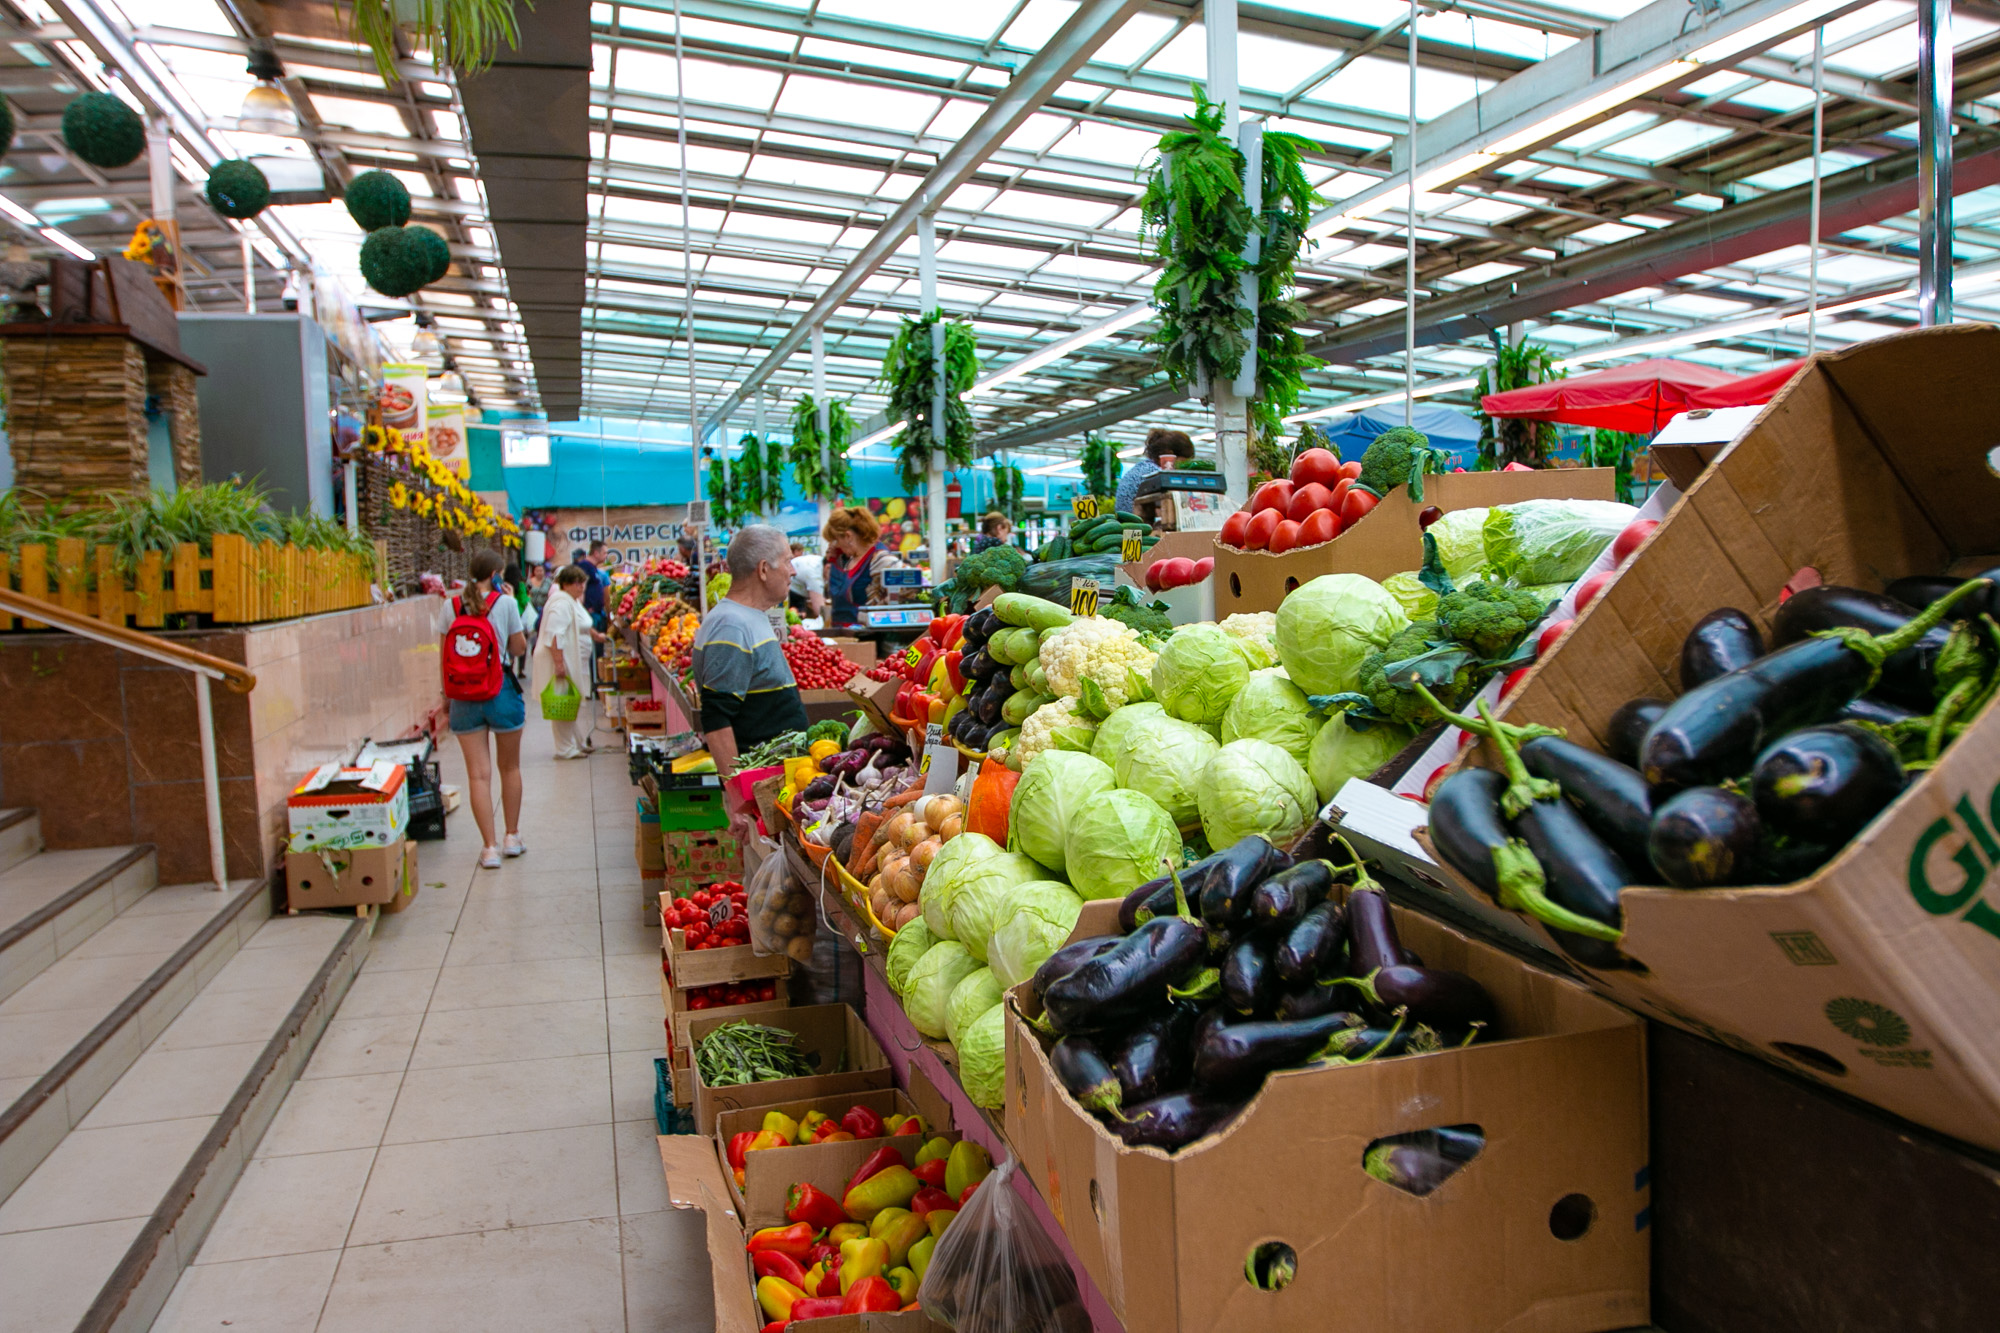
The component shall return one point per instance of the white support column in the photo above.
(249, 277)
(1818, 146)
(687, 315)
(758, 427)
(1232, 409)
(927, 303)
(349, 486)
(211, 783)
(1934, 97)
(160, 167)
(1410, 236)
(819, 400)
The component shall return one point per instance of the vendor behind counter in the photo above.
(1164, 449)
(748, 693)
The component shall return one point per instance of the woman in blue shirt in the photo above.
(1163, 448)
(853, 562)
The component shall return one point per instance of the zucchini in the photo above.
(1021, 703)
(1018, 676)
(1030, 610)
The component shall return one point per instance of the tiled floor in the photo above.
(471, 1146)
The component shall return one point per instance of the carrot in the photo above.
(865, 844)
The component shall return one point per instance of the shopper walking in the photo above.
(562, 653)
(481, 629)
(747, 691)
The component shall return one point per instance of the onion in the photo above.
(936, 809)
(892, 830)
(952, 827)
(913, 833)
(922, 854)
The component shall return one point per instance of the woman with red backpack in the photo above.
(482, 632)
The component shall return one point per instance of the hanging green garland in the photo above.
(759, 475)
(906, 370)
(103, 131)
(1009, 489)
(1282, 359)
(238, 189)
(1101, 465)
(375, 200)
(724, 507)
(831, 483)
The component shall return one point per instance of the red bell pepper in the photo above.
(776, 1263)
(824, 1128)
(737, 1143)
(863, 1123)
(777, 1325)
(829, 1282)
(913, 1125)
(811, 1204)
(931, 1173)
(816, 1307)
(929, 1199)
(965, 1195)
(869, 1294)
(795, 1240)
(951, 671)
(881, 1159)
(821, 1253)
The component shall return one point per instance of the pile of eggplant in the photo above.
(988, 686)
(1238, 966)
(1769, 763)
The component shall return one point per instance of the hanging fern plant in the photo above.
(466, 34)
(1009, 489)
(1101, 466)
(724, 507)
(1282, 359)
(831, 482)
(906, 370)
(1504, 440)
(750, 480)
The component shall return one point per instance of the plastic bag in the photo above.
(783, 918)
(996, 1271)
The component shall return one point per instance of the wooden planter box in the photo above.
(243, 583)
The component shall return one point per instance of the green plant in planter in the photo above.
(1101, 466)
(103, 131)
(747, 478)
(465, 34)
(831, 482)
(238, 189)
(376, 199)
(1504, 440)
(906, 370)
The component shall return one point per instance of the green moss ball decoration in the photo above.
(375, 200)
(237, 189)
(6, 126)
(103, 131)
(440, 253)
(395, 260)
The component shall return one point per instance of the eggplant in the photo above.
(1285, 898)
(1067, 960)
(978, 628)
(1087, 1075)
(1822, 785)
(1466, 828)
(1371, 932)
(1225, 898)
(1782, 860)
(1722, 641)
(1129, 981)
(1716, 731)
(1432, 996)
(1367, 1043)
(1175, 1120)
(988, 704)
(1153, 1058)
(1309, 947)
(1156, 896)
(1628, 727)
(1583, 876)
(1249, 979)
(1920, 590)
(1879, 711)
(1313, 998)
(1705, 838)
(1421, 1162)
(1237, 1055)
(976, 665)
(1909, 677)
(1612, 798)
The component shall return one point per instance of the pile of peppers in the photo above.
(781, 1131)
(867, 1250)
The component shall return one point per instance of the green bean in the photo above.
(741, 1052)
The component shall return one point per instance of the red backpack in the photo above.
(473, 670)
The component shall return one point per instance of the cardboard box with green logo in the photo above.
(1880, 974)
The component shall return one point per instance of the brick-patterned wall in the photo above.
(173, 384)
(76, 413)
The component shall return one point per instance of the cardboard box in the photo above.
(679, 1016)
(346, 877)
(876, 698)
(1390, 539)
(768, 1174)
(1560, 1096)
(846, 1055)
(406, 892)
(708, 967)
(647, 849)
(863, 653)
(335, 807)
(698, 857)
(1875, 976)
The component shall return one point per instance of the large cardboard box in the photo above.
(406, 891)
(845, 1055)
(695, 857)
(1546, 1229)
(680, 1016)
(708, 967)
(1390, 539)
(346, 877)
(1877, 976)
(770, 1173)
(335, 807)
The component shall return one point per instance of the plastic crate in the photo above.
(670, 1118)
(693, 811)
(426, 803)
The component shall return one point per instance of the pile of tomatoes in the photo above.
(1317, 503)
(716, 917)
(816, 664)
(733, 992)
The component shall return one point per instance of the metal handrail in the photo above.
(201, 666)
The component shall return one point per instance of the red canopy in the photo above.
(1750, 391)
(1640, 398)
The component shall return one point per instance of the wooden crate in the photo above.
(679, 1015)
(688, 968)
(242, 583)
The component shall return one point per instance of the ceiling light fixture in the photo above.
(425, 347)
(266, 109)
(1136, 313)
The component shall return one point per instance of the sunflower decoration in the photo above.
(374, 439)
(399, 495)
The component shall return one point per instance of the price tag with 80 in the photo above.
(1082, 596)
(1089, 506)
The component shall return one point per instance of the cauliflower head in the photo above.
(1060, 725)
(1257, 628)
(1103, 653)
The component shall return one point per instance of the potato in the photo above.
(785, 926)
(934, 810)
(924, 852)
(952, 826)
(799, 903)
(800, 950)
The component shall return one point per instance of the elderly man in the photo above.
(748, 694)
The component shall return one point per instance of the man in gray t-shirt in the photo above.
(748, 694)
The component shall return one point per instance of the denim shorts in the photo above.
(505, 711)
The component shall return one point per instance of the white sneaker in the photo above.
(513, 846)
(490, 859)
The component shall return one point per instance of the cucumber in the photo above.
(1019, 608)
(1018, 677)
(1038, 679)
(1012, 647)
(1124, 517)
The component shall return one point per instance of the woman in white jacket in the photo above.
(562, 649)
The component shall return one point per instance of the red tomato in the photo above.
(1306, 499)
(1203, 568)
(1272, 495)
(1322, 525)
(1153, 575)
(1285, 537)
(1431, 783)
(1351, 470)
(1592, 587)
(1356, 506)
(1262, 525)
(1628, 540)
(1316, 465)
(1514, 678)
(1546, 640)
(1338, 495)
(1234, 527)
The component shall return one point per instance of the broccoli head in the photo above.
(1398, 455)
(1421, 651)
(1489, 617)
(831, 729)
(995, 567)
(1143, 618)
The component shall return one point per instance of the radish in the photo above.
(1203, 568)
(1592, 587)
(1629, 540)
(1546, 640)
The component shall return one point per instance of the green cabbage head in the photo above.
(1120, 842)
(1326, 627)
(1116, 733)
(1199, 672)
(910, 944)
(982, 1058)
(1550, 541)
(933, 979)
(1054, 785)
(967, 860)
(1254, 787)
(970, 998)
(1164, 761)
(1339, 753)
(1044, 913)
(1461, 540)
(1271, 708)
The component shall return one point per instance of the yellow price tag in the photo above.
(1083, 506)
(1082, 596)
(1130, 550)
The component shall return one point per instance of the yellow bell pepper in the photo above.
(800, 772)
(882, 1220)
(920, 1255)
(901, 1233)
(938, 1219)
(934, 1150)
(807, 1123)
(775, 1297)
(777, 1122)
(905, 1282)
(845, 1232)
(823, 750)
(859, 1259)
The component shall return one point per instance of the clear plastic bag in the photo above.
(996, 1271)
(783, 917)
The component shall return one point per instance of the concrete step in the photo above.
(73, 1031)
(52, 902)
(96, 1236)
(20, 836)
